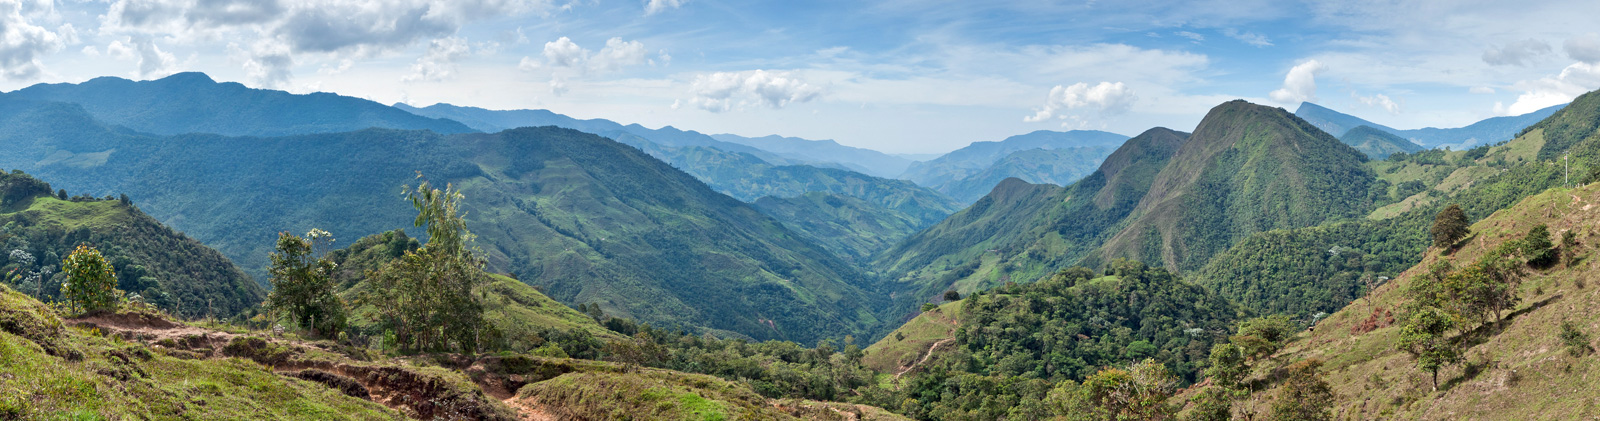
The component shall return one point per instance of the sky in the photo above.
(899, 76)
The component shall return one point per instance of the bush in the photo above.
(1576, 340)
(952, 295)
(91, 285)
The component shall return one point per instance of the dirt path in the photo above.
(924, 359)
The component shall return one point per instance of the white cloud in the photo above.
(439, 63)
(22, 42)
(269, 64)
(1190, 35)
(652, 7)
(1480, 90)
(1574, 80)
(1248, 37)
(558, 86)
(151, 61)
(1104, 98)
(1584, 48)
(528, 64)
(1518, 53)
(1380, 101)
(1300, 84)
(617, 55)
(725, 91)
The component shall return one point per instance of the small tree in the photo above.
(302, 284)
(1536, 246)
(1450, 226)
(1575, 339)
(1424, 336)
(952, 295)
(1138, 393)
(91, 284)
(1227, 368)
(1304, 395)
(1263, 336)
(431, 297)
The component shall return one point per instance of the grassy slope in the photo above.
(911, 341)
(1022, 231)
(113, 379)
(1519, 372)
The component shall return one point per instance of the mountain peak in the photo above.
(189, 77)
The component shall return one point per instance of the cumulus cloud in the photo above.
(1300, 84)
(1248, 37)
(336, 28)
(652, 7)
(1584, 48)
(151, 61)
(1104, 98)
(269, 64)
(617, 54)
(1518, 53)
(1537, 94)
(22, 42)
(1380, 101)
(725, 91)
(439, 63)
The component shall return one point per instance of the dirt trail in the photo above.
(924, 359)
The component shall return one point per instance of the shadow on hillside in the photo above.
(1483, 333)
(1453, 248)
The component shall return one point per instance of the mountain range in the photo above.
(967, 173)
(1486, 132)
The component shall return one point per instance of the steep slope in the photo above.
(1376, 143)
(1319, 269)
(166, 268)
(193, 103)
(588, 219)
(1247, 168)
(944, 172)
(1022, 232)
(1516, 368)
(1486, 132)
(846, 226)
(1039, 166)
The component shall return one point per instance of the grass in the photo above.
(908, 343)
(104, 378)
(594, 390)
(1516, 369)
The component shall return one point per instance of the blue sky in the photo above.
(899, 76)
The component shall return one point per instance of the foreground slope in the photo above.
(1247, 168)
(1517, 368)
(166, 268)
(1022, 232)
(193, 103)
(588, 219)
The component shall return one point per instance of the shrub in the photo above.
(1575, 339)
(91, 285)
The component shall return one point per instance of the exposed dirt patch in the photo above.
(925, 358)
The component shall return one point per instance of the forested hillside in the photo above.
(588, 219)
(956, 173)
(1376, 143)
(1021, 232)
(1246, 169)
(1039, 166)
(39, 227)
(193, 103)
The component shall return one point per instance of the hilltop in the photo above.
(164, 267)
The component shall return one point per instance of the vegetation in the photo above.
(302, 284)
(1303, 395)
(431, 298)
(1449, 227)
(90, 284)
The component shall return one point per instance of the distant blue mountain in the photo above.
(822, 152)
(948, 174)
(193, 103)
(497, 120)
(1489, 131)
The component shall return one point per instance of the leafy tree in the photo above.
(1227, 366)
(1213, 403)
(1425, 337)
(91, 284)
(1450, 226)
(1263, 336)
(302, 284)
(1139, 392)
(1536, 246)
(1303, 395)
(430, 297)
(952, 295)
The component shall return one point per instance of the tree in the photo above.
(1424, 336)
(952, 295)
(1536, 246)
(1263, 336)
(302, 284)
(1303, 395)
(1576, 340)
(91, 284)
(430, 298)
(1450, 226)
(1227, 366)
(1139, 392)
